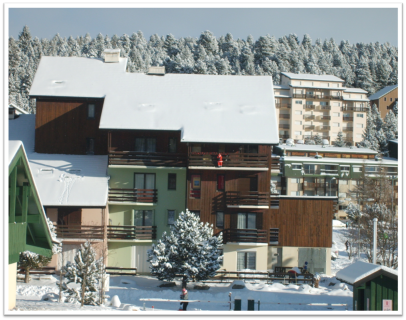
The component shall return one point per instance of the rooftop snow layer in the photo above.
(13, 147)
(62, 180)
(360, 270)
(382, 92)
(281, 87)
(315, 77)
(329, 148)
(205, 108)
(315, 87)
(337, 161)
(355, 90)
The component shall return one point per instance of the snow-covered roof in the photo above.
(355, 99)
(63, 180)
(315, 87)
(394, 140)
(355, 90)
(111, 50)
(315, 77)
(19, 109)
(328, 148)
(281, 87)
(310, 197)
(205, 108)
(13, 147)
(282, 96)
(360, 270)
(382, 92)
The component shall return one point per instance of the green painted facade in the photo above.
(122, 214)
(27, 226)
(369, 295)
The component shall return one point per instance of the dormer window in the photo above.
(90, 111)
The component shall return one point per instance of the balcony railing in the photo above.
(309, 106)
(334, 97)
(324, 117)
(273, 235)
(131, 232)
(328, 171)
(348, 118)
(244, 235)
(299, 95)
(284, 126)
(309, 117)
(159, 159)
(347, 129)
(283, 105)
(283, 136)
(313, 185)
(133, 195)
(79, 232)
(247, 198)
(229, 160)
(325, 107)
(356, 109)
(324, 128)
(284, 116)
(308, 127)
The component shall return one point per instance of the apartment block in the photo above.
(308, 104)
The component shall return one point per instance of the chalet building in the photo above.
(27, 225)
(313, 170)
(384, 99)
(309, 104)
(73, 190)
(175, 141)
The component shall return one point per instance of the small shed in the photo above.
(372, 285)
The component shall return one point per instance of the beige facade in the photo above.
(309, 106)
(12, 285)
(230, 252)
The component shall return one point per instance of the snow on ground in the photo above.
(273, 297)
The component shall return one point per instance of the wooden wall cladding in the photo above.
(124, 140)
(303, 222)
(62, 126)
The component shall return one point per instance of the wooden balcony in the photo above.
(347, 129)
(284, 116)
(133, 195)
(244, 235)
(258, 160)
(348, 118)
(283, 105)
(247, 199)
(284, 126)
(131, 232)
(79, 232)
(157, 159)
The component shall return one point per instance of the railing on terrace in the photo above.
(159, 159)
(329, 171)
(79, 232)
(334, 97)
(357, 109)
(244, 235)
(347, 129)
(324, 128)
(131, 232)
(247, 198)
(348, 118)
(133, 195)
(299, 95)
(229, 160)
(313, 185)
(324, 117)
(309, 106)
(309, 117)
(283, 136)
(284, 116)
(283, 105)
(308, 127)
(284, 126)
(325, 107)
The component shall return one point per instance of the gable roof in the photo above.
(21, 110)
(355, 90)
(205, 108)
(315, 77)
(360, 272)
(63, 180)
(382, 92)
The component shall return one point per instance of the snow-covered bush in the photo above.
(190, 250)
(87, 272)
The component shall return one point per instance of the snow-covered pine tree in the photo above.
(317, 139)
(85, 271)
(353, 212)
(369, 135)
(309, 141)
(30, 260)
(189, 250)
(340, 142)
(395, 109)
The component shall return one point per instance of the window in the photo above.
(343, 207)
(171, 181)
(336, 124)
(246, 260)
(145, 144)
(309, 169)
(360, 115)
(89, 145)
(354, 182)
(220, 182)
(390, 99)
(250, 148)
(171, 217)
(196, 213)
(336, 104)
(144, 181)
(222, 148)
(296, 167)
(336, 114)
(342, 195)
(295, 193)
(298, 102)
(323, 103)
(359, 125)
(143, 217)
(371, 169)
(384, 99)
(90, 111)
(359, 136)
(220, 219)
(298, 123)
(295, 180)
(172, 145)
(246, 220)
(344, 182)
(195, 186)
(345, 169)
(196, 147)
(356, 169)
(328, 84)
(298, 133)
(338, 85)
(309, 102)
(298, 112)
(308, 193)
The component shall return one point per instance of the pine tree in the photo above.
(340, 142)
(85, 271)
(189, 250)
(30, 260)
(369, 135)
(363, 73)
(317, 139)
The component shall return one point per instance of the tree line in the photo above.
(368, 66)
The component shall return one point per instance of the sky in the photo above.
(352, 24)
